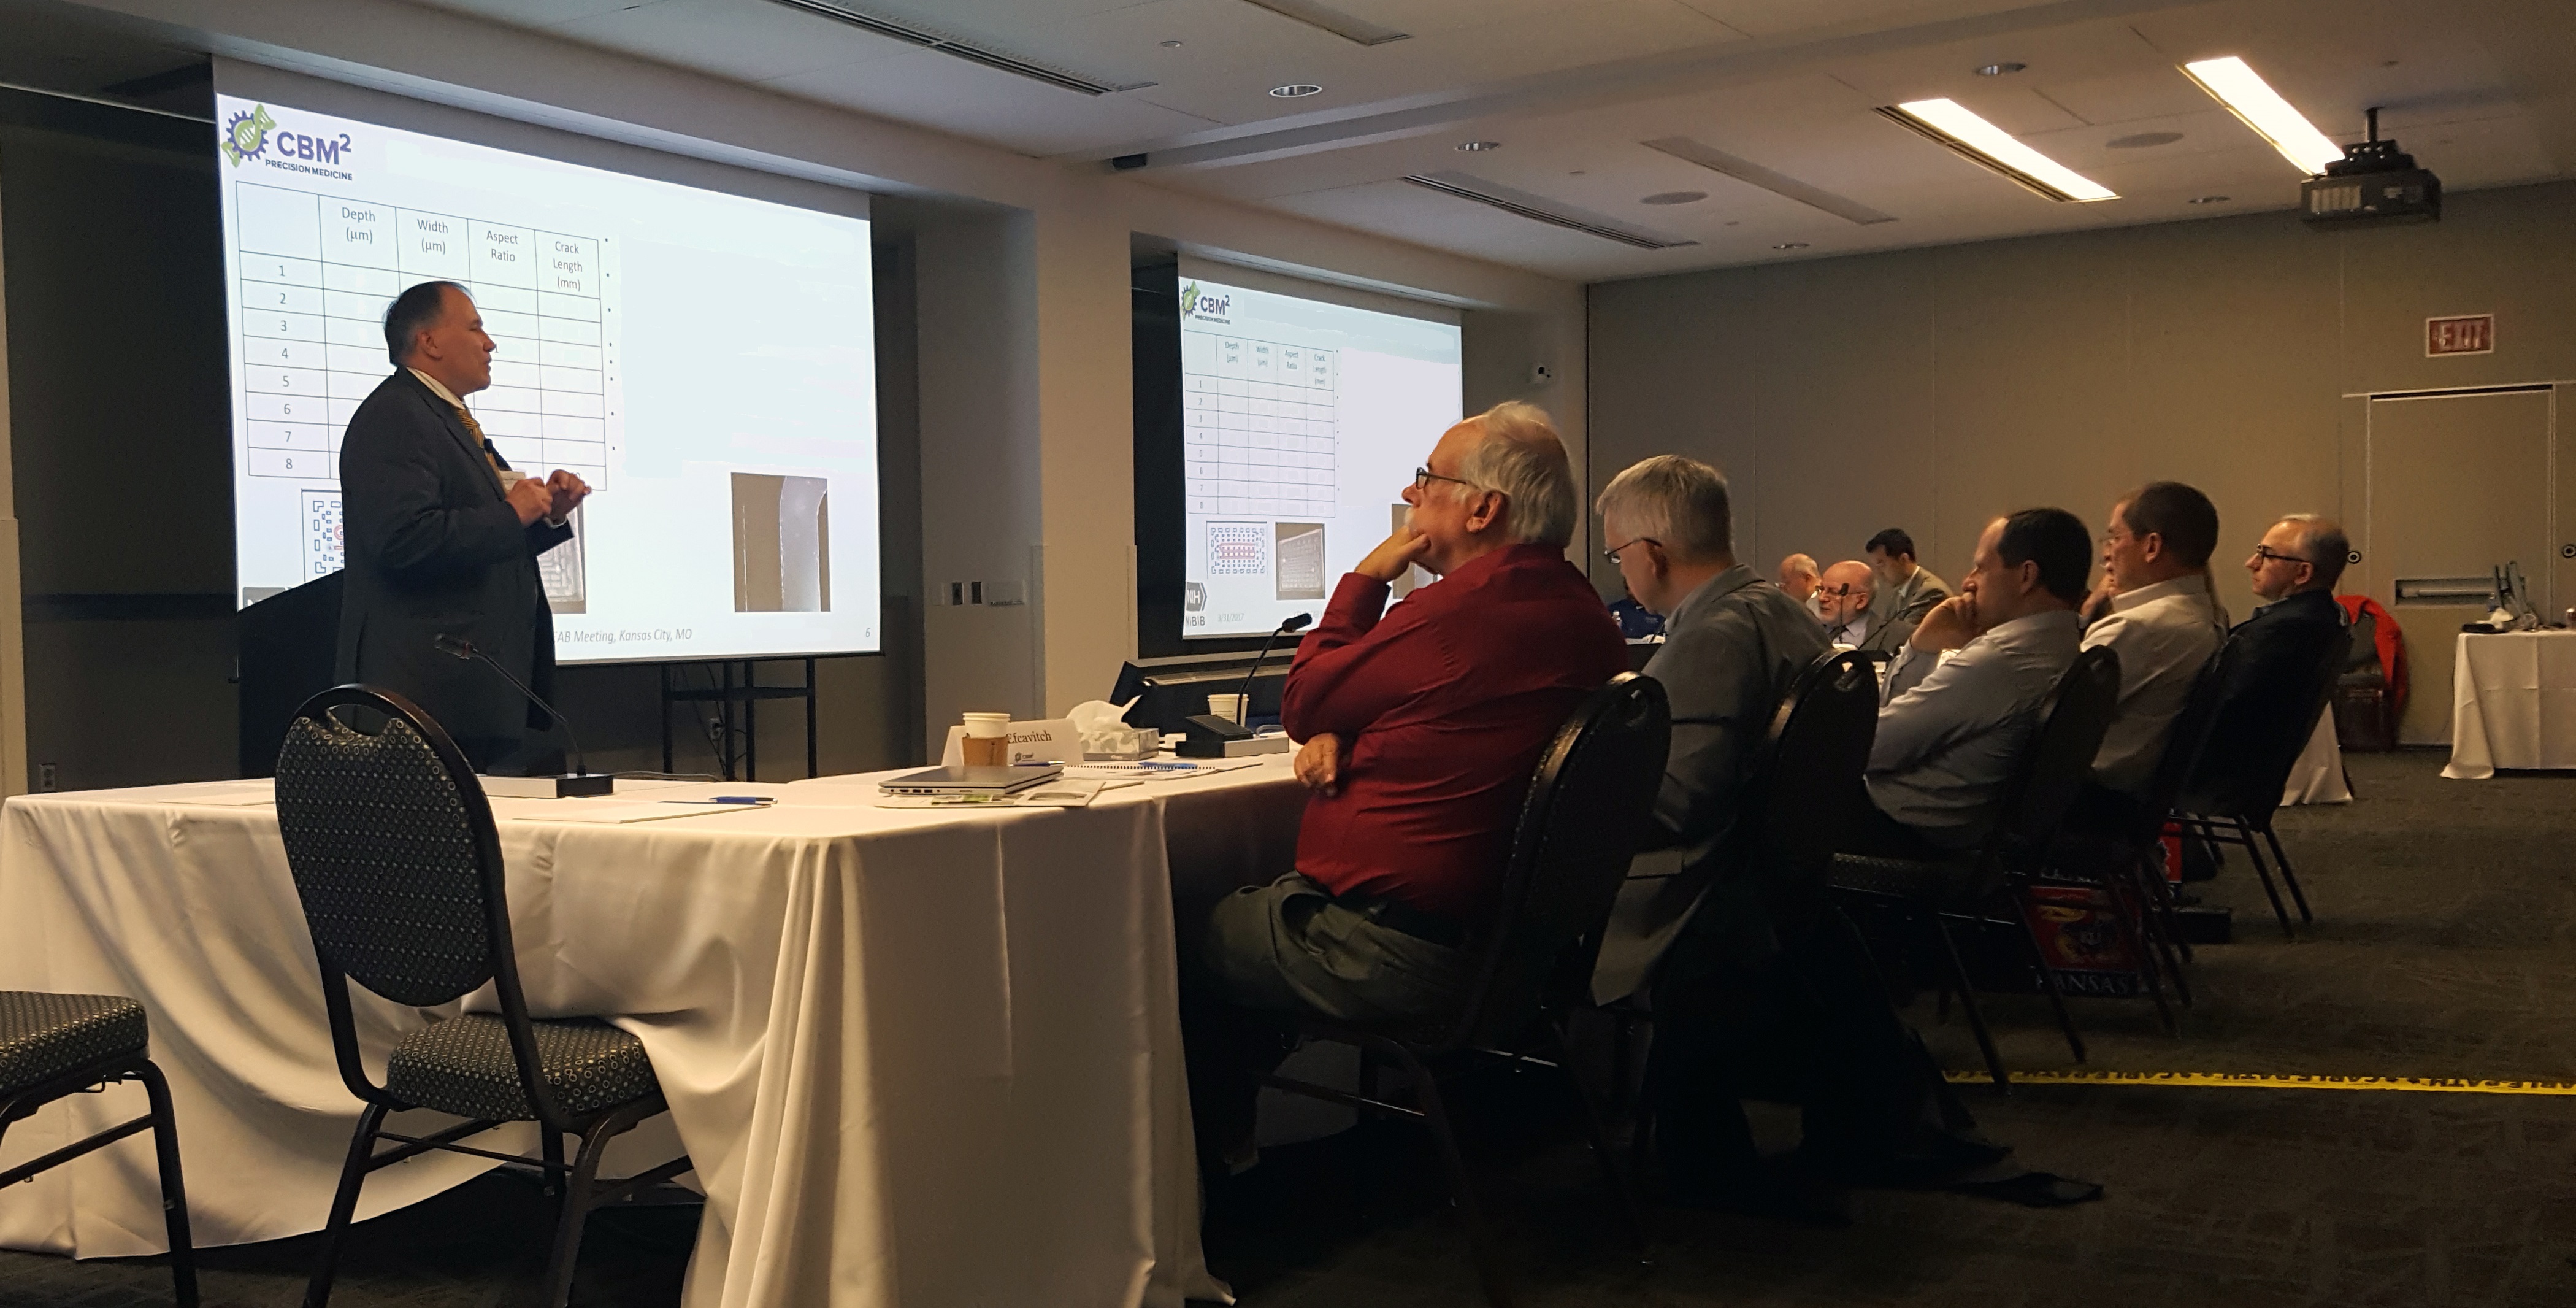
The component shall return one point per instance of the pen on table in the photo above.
(759, 800)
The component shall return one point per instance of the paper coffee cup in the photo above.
(983, 726)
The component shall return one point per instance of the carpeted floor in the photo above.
(2441, 949)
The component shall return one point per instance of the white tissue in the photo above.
(1105, 733)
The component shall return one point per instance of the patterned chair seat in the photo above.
(43, 1036)
(463, 1066)
(1901, 878)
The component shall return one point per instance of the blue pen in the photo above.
(725, 799)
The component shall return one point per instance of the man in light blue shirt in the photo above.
(1964, 696)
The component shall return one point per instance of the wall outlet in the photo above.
(1541, 374)
(47, 780)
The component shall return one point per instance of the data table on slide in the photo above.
(1261, 425)
(317, 274)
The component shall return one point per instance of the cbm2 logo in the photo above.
(248, 136)
(1195, 305)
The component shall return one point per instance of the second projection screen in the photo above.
(1302, 423)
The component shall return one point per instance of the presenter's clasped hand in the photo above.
(1319, 764)
(1393, 555)
(568, 492)
(530, 499)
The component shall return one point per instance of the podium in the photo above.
(287, 647)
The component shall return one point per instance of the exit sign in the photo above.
(2470, 334)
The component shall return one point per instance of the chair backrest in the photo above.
(392, 845)
(2057, 762)
(1805, 786)
(2189, 734)
(1588, 805)
(398, 866)
(2258, 733)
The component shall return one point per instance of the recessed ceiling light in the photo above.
(1479, 147)
(1991, 147)
(1790, 245)
(1675, 197)
(1171, 45)
(2141, 140)
(2209, 199)
(1296, 90)
(2233, 83)
(2000, 70)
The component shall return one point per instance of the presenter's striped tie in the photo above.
(475, 429)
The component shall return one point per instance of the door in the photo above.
(2458, 483)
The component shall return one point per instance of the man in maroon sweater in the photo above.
(1421, 726)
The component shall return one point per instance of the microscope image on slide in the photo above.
(782, 544)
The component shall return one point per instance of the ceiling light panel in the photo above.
(1991, 147)
(2234, 83)
(1327, 18)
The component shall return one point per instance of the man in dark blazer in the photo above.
(2269, 701)
(443, 536)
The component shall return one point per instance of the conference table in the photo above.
(917, 1056)
(2513, 702)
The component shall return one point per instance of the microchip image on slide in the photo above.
(1238, 549)
(326, 545)
(1300, 549)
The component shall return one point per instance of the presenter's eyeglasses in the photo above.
(2264, 553)
(1612, 553)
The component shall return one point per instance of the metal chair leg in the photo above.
(2048, 979)
(2288, 877)
(2158, 911)
(2271, 892)
(344, 1204)
(1600, 1138)
(576, 1207)
(174, 1189)
(1462, 1187)
(1968, 1001)
(552, 1183)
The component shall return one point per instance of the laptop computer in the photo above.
(971, 781)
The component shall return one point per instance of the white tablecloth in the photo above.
(2513, 702)
(2317, 778)
(918, 1057)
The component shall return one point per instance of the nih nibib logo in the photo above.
(251, 137)
(1205, 307)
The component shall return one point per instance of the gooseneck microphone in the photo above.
(580, 782)
(1297, 623)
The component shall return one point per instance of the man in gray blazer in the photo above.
(1906, 589)
(1748, 994)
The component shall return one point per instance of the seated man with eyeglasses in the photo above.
(2267, 696)
(1848, 596)
(1421, 724)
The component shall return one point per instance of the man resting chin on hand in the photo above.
(1421, 728)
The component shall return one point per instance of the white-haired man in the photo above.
(1799, 579)
(1421, 726)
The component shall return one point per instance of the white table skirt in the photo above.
(2513, 702)
(2317, 778)
(918, 1057)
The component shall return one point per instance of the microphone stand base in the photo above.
(571, 786)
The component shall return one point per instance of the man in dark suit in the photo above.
(443, 536)
(2268, 702)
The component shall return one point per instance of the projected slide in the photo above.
(1302, 423)
(705, 361)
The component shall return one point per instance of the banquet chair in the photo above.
(2236, 782)
(1799, 792)
(399, 869)
(1533, 956)
(56, 1046)
(1975, 886)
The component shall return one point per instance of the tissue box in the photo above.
(1122, 743)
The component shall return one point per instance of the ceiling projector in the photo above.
(2374, 182)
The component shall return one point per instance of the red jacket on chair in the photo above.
(2391, 642)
